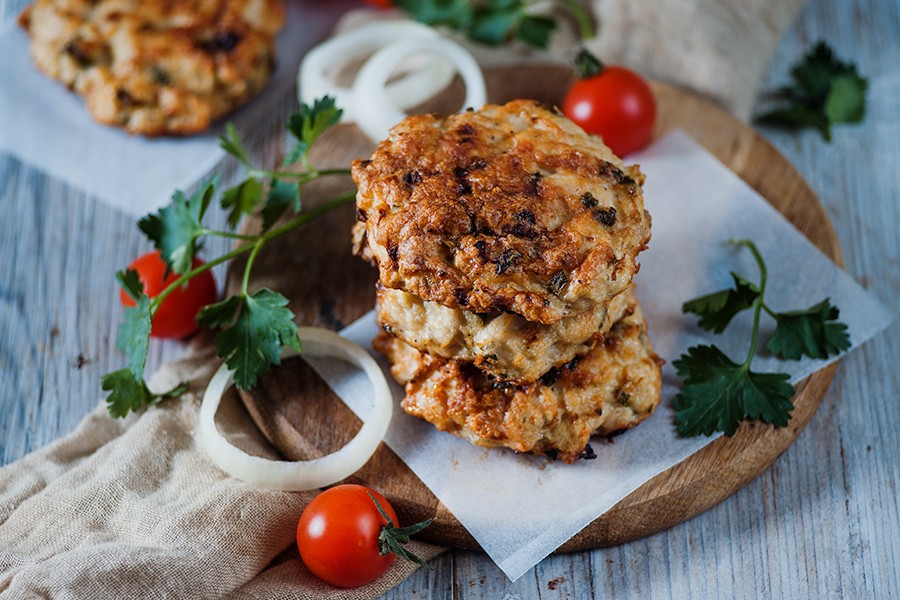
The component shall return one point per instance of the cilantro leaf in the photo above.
(718, 394)
(254, 340)
(308, 123)
(175, 228)
(717, 309)
(134, 331)
(282, 194)
(814, 332)
(242, 199)
(130, 394)
(231, 143)
(824, 91)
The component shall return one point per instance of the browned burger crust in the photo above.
(612, 388)
(156, 67)
(503, 345)
(509, 208)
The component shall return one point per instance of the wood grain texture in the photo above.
(822, 522)
(329, 288)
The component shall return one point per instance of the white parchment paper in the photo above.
(522, 508)
(48, 127)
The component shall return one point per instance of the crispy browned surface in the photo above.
(612, 388)
(510, 208)
(156, 67)
(503, 345)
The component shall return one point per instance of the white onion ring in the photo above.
(373, 110)
(330, 56)
(309, 474)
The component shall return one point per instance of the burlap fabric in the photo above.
(134, 509)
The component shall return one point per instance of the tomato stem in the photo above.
(587, 65)
(392, 538)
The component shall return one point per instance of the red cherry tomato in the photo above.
(176, 316)
(338, 536)
(380, 3)
(616, 104)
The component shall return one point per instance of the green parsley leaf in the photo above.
(492, 22)
(221, 313)
(242, 199)
(496, 22)
(846, 100)
(814, 332)
(798, 116)
(134, 331)
(457, 14)
(718, 394)
(175, 228)
(282, 195)
(536, 30)
(130, 394)
(254, 340)
(308, 123)
(127, 393)
(131, 283)
(717, 309)
(824, 91)
(231, 143)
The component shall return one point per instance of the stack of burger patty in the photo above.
(506, 240)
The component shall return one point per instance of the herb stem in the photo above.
(156, 301)
(758, 304)
(303, 176)
(229, 235)
(253, 242)
(307, 216)
(245, 281)
(585, 26)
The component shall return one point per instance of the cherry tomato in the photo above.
(616, 104)
(338, 536)
(380, 3)
(176, 316)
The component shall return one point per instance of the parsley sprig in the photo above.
(253, 325)
(718, 393)
(824, 91)
(495, 22)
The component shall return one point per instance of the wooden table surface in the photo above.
(822, 522)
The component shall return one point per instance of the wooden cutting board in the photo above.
(328, 287)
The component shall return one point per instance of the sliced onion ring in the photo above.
(373, 110)
(309, 474)
(330, 56)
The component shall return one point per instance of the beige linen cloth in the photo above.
(134, 509)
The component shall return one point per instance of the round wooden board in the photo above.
(329, 287)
